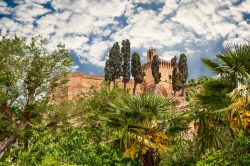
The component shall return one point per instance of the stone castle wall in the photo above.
(79, 82)
(164, 87)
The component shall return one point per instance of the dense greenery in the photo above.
(155, 67)
(113, 127)
(50, 148)
(28, 76)
(125, 52)
(107, 72)
(180, 73)
(183, 70)
(115, 62)
(136, 70)
(175, 75)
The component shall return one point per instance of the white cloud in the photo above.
(4, 9)
(74, 68)
(75, 6)
(37, 1)
(239, 35)
(197, 28)
(169, 7)
(103, 8)
(10, 27)
(148, 1)
(28, 12)
(211, 19)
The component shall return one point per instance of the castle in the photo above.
(80, 82)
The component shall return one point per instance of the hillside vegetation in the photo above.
(112, 126)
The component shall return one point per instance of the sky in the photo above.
(89, 28)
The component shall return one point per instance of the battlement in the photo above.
(150, 54)
(79, 82)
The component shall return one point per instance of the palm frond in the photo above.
(211, 138)
(213, 66)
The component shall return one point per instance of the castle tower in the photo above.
(150, 54)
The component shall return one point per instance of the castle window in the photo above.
(170, 77)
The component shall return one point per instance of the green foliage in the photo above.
(214, 95)
(110, 125)
(107, 72)
(87, 111)
(28, 75)
(213, 131)
(215, 109)
(115, 61)
(175, 75)
(140, 122)
(236, 153)
(181, 154)
(233, 64)
(155, 69)
(125, 53)
(136, 69)
(183, 68)
(67, 147)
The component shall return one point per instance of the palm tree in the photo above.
(233, 64)
(212, 97)
(216, 110)
(139, 122)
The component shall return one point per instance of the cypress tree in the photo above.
(183, 70)
(156, 69)
(115, 62)
(175, 75)
(125, 53)
(136, 70)
(107, 71)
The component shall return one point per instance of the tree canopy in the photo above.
(125, 53)
(115, 62)
(28, 77)
(136, 70)
(155, 67)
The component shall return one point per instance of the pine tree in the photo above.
(136, 70)
(108, 74)
(183, 71)
(125, 53)
(156, 69)
(115, 62)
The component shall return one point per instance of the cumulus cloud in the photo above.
(4, 9)
(37, 1)
(28, 12)
(89, 28)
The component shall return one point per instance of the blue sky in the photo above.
(88, 28)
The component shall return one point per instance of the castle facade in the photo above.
(80, 82)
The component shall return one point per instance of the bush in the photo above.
(237, 153)
(181, 154)
(69, 147)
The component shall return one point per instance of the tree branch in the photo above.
(7, 112)
(6, 143)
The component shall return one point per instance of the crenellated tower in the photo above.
(150, 54)
(166, 69)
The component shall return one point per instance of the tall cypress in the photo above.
(183, 71)
(115, 62)
(136, 70)
(155, 67)
(175, 75)
(125, 53)
(107, 71)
